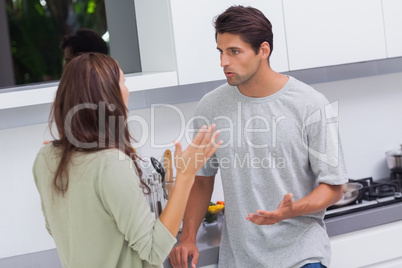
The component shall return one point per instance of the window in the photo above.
(30, 53)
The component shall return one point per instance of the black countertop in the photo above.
(208, 237)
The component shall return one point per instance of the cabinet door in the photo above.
(377, 247)
(393, 20)
(328, 32)
(197, 58)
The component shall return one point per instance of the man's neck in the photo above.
(264, 84)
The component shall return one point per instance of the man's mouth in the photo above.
(229, 74)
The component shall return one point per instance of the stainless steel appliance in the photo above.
(372, 195)
(153, 176)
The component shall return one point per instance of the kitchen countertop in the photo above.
(364, 219)
(208, 238)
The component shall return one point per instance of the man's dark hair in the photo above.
(248, 22)
(84, 40)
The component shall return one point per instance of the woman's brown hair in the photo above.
(89, 112)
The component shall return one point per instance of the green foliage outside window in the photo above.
(36, 28)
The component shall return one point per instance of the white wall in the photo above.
(167, 123)
(370, 124)
(22, 228)
(370, 121)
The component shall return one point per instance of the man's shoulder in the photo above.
(218, 92)
(306, 93)
(215, 97)
(301, 86)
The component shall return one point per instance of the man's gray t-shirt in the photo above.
(285, 143)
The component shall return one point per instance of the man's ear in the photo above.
(265, 50)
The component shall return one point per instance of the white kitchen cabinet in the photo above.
(376, 247)
(392, 22)
(328, 32)
(187, 26)
(394, 263)
(210, 266)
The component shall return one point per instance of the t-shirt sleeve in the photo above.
(122, 197)
(324, 147)
(210, 168)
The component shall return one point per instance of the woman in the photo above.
(89, 181)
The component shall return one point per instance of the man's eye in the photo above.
(235, 52)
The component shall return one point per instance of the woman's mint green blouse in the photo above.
(104, 219)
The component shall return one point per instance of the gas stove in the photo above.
(374, 194)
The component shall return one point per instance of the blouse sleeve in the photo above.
(34, 171)
(122, 197)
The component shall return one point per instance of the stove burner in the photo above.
(373, 190)
(383, 190)
(374, 194)
(396, 174)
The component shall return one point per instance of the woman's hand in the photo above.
(187, 163)
(203, 146)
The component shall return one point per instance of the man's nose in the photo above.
(224, 60)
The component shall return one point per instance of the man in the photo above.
(281, 163)
(83, 40)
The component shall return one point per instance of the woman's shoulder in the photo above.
(51, 153)
(47, 153)
(101, 158)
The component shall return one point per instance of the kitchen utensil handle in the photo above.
(167, 158)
